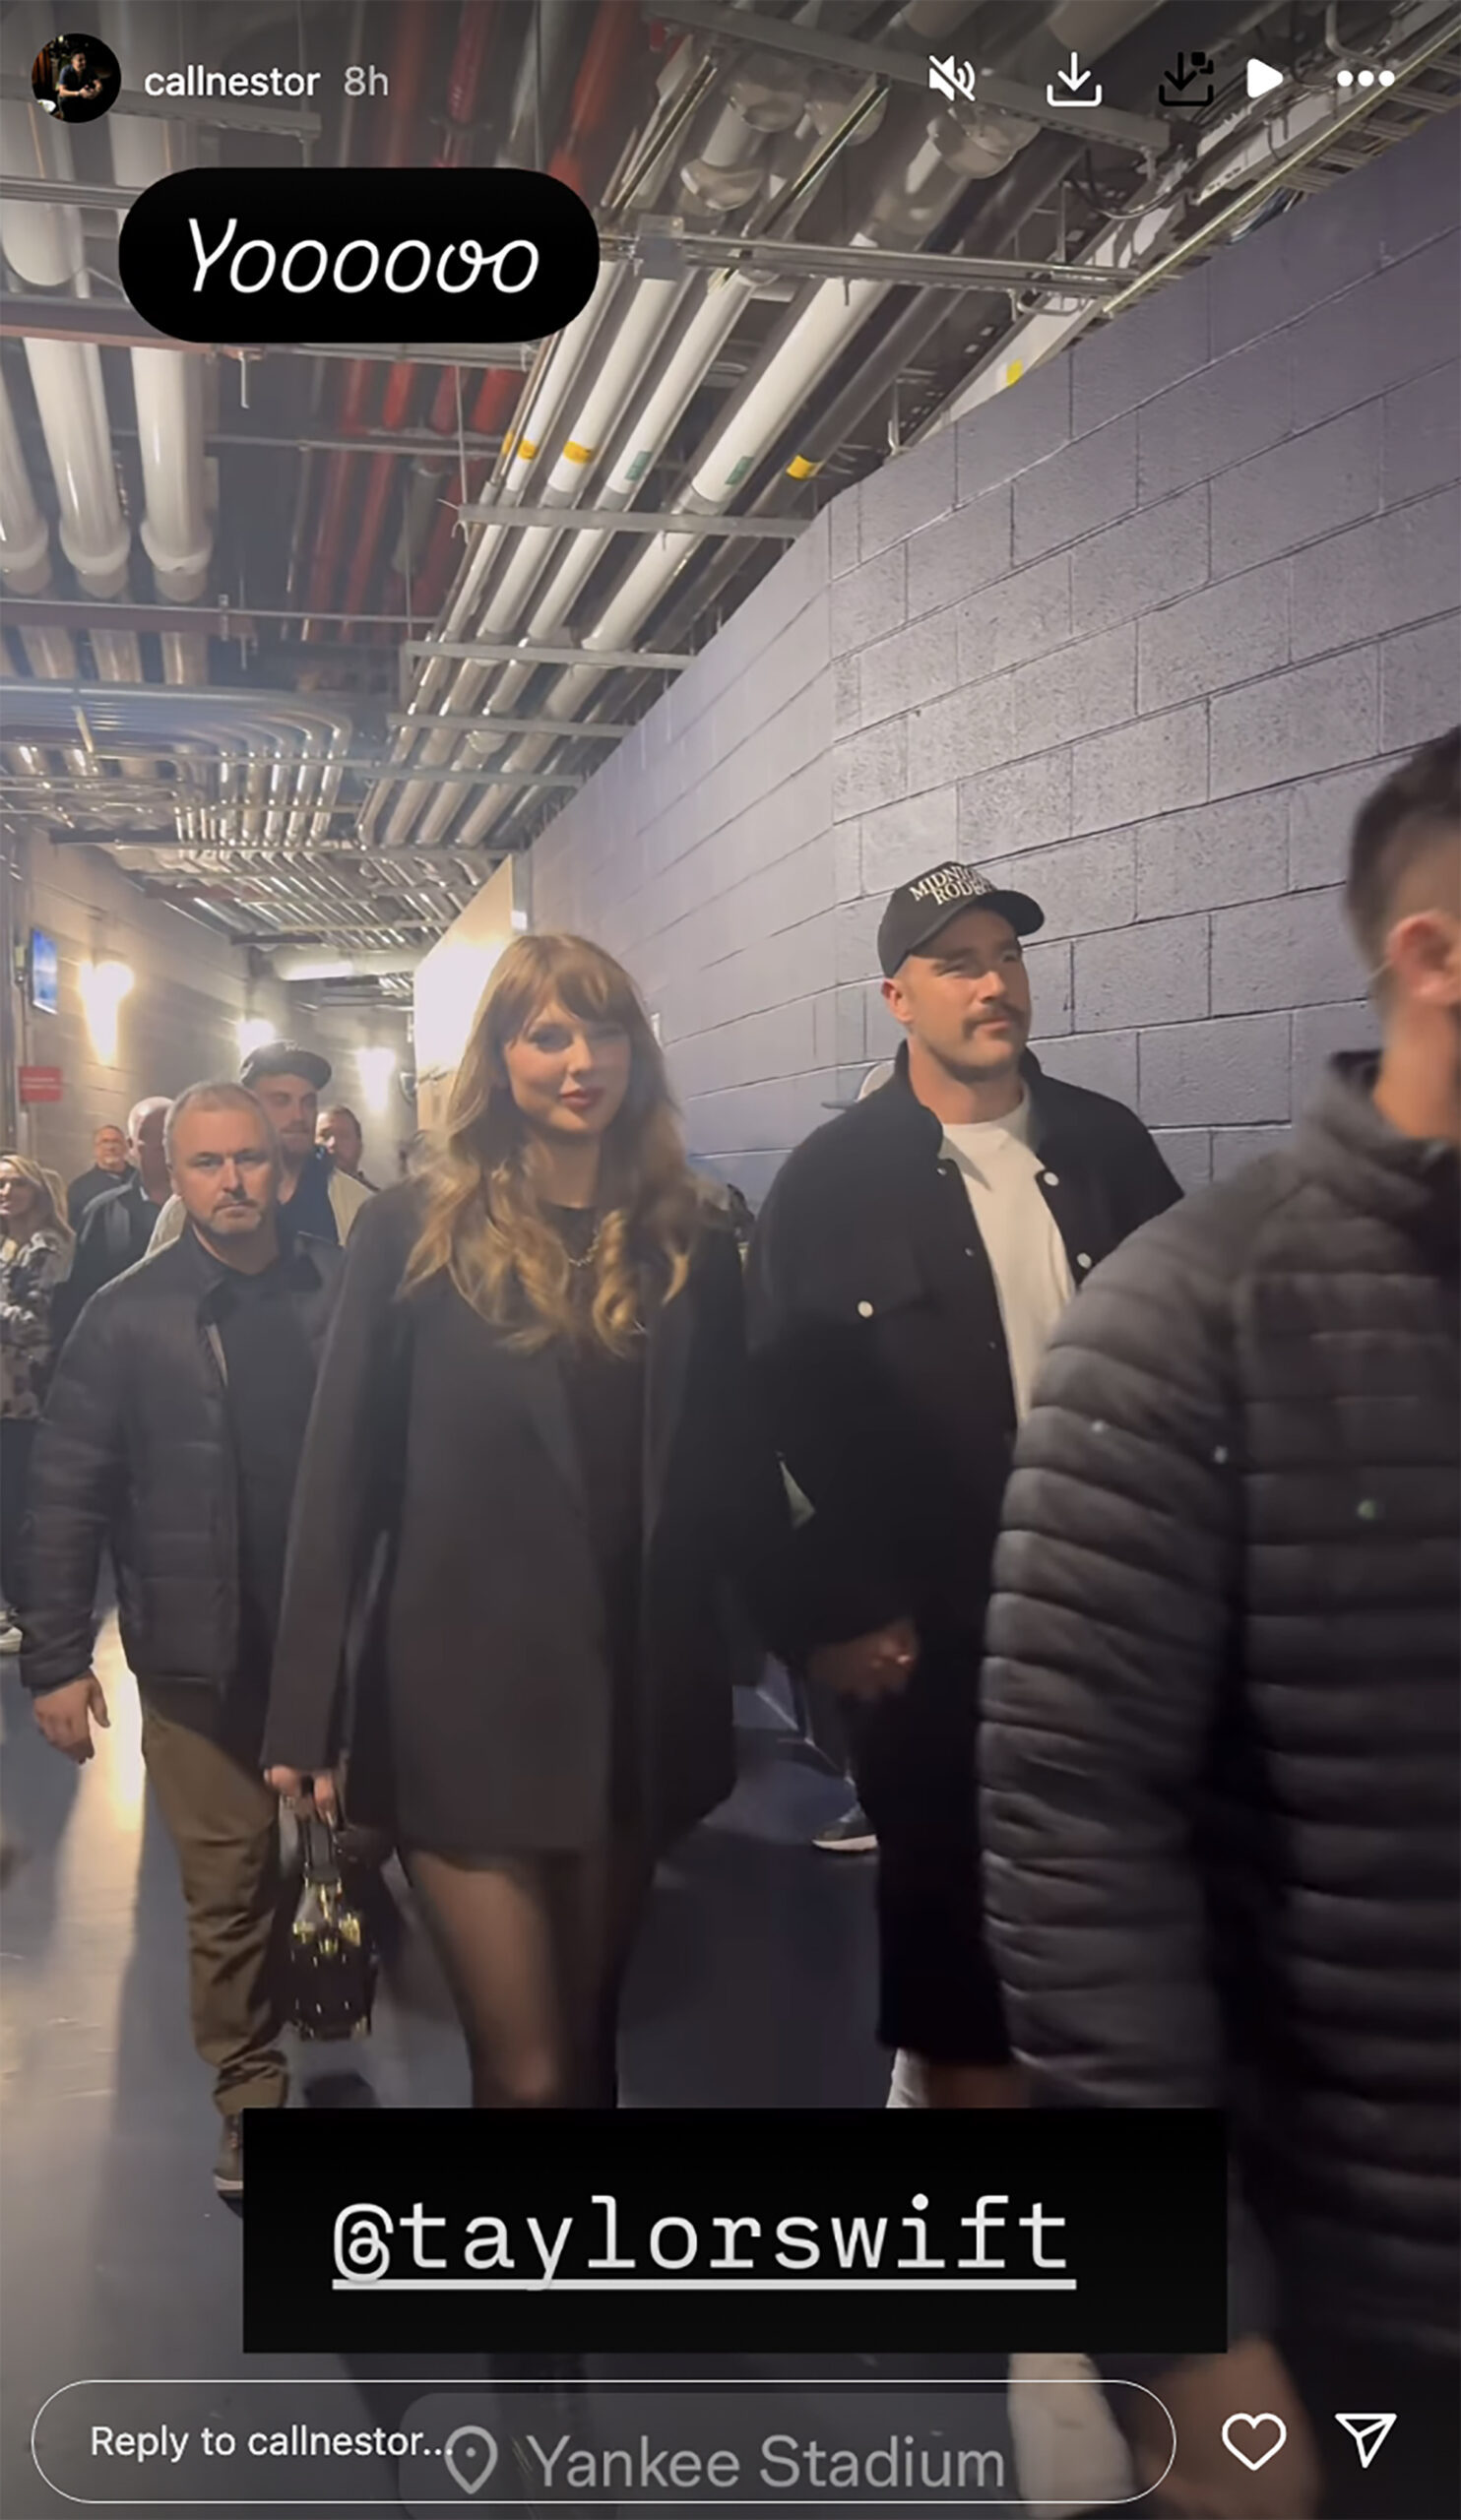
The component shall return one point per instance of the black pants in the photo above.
(914, 1764)
(16, 1442)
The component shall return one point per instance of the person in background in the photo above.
(537, 1399)
(111, 1168)
(35, 1247)
(1221, 1747)
(117, 1228)
(908, 1264)
(173, 1431)
(315, 1197)
(341, 1135)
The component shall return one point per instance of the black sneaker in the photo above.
(853, 1834)
(228, 2169)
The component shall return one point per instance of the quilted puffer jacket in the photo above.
(1221, 1748)
(135, 1450)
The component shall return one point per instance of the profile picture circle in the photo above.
(75, 78)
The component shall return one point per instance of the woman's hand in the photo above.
(309, 1793)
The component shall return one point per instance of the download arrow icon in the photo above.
(1072, 80)
(1368, 2432)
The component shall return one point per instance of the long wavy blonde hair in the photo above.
(483, 1224)
(52, 1218)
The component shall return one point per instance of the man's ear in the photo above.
(896, 1003)
(1425, 953)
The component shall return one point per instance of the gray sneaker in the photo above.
(228, 2169)
(853, 1834)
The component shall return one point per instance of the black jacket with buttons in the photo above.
(1221, 1746)
(880, 1348)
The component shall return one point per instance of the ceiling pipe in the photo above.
(175, 533)
(463, 88)
(407, 75)
(580, 162)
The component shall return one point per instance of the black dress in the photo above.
(606, 1400)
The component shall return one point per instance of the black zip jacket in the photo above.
(134, 1448)
(1221, 1741)
(880, 1349)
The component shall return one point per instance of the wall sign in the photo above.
(41, 1085)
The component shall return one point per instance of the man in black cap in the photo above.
(315, 1196)
(910, 1263)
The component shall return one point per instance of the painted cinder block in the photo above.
(1081, 885)
(1102, 1062)
(1233, 1070)
(1077, 491)
(1420, 676)
(1020, 427)
(914, 665)
(1147, 559)
(1292, 952)
(1312, 718)
(869, 769)
(1399, 567)
(1024, 615)
(1390, 328)
(1210, 855)
(1152, 767)
(1152, 973)
(908, 493)
(1154, 345)
(968, 550)
(1224, 634)
(1016, 804)
(868, 602)
(1080, 688)
(1423, 434)
(1314, 485)
(1231, 411)
(898, 841)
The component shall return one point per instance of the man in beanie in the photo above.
(909, 1266)
(315, 1196)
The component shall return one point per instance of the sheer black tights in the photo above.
(535, 1951)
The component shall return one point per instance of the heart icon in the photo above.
(1253, 2422)
(481, 2447)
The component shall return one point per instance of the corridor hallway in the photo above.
(753, 1988)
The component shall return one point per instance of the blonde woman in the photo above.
(533, 1417)
(35, 1247)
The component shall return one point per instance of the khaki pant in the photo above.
(202, 1761)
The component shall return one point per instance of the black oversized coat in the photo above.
(481, 1706)
(1220, 1741)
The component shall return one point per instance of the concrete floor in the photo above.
(753, 1988)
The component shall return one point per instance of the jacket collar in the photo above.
(903, 1117)
(1414, 1183)
(208, 1275)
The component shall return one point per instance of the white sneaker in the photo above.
(1069, 2453)
(10, 1634)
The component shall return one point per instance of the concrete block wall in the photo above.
(1138, 635)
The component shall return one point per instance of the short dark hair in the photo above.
(1393, 829)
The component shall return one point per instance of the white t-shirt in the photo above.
(1000, 1169)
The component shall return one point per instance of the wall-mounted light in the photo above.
(253, 1032)
(103, 986)
(378, 1068)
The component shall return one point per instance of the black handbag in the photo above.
(332, 1958)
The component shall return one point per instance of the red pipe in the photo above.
(407, 74)
(577, 162)
(464, 79)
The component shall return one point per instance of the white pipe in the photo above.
(71, 398)
(25, 542)
(167, 384)
(320, 965)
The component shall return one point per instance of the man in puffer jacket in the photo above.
(1219, 1750)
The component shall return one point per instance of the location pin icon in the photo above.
(470, 2456)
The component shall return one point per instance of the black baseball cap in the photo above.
(286, 1058)
(918, 911)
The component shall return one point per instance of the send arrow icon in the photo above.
(1367, 2433)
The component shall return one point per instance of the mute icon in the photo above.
(1368, 2432)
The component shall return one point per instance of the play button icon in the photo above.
(1263, 79)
